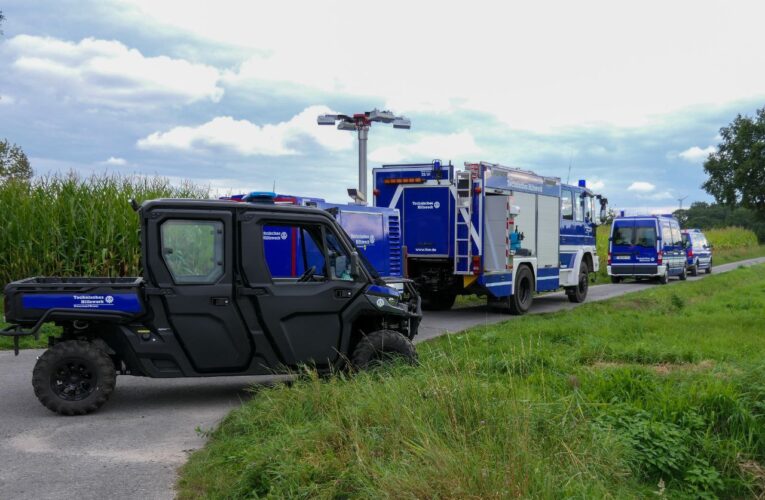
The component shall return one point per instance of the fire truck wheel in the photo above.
(440, 301)
(523, 292)
(578, 293)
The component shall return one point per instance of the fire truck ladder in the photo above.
(463, 216)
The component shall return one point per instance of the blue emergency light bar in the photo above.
(260, 197)
(582, 183)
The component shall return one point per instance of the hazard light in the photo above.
(404, 180)
(476, 264)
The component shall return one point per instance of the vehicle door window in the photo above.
(622, 235)
(339, 259)
(305, 253)
(666, 234)
(676, 237)
(579, 206)
(193, 250)
(587, 201)
(566, 205)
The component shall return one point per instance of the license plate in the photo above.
(622, 257)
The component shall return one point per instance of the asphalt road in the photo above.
(133, 446)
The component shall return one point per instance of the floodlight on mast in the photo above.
(361, 122)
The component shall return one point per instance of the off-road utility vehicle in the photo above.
(209, 305)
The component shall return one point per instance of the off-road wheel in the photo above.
(684, 275)
(616, 279)
(382, 346)
(74, 378)
(440, 301)
(523, 292)
(709, 269)
(579, 293)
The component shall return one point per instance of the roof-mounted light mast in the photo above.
(361, 122)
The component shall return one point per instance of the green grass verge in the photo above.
(657, 391)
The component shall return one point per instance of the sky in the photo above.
(627, 95)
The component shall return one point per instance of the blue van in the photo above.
(697, 251)
(646, 246)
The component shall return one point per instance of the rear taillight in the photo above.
(659, 258)
(476, 264)
(609, 257)
(690, 252)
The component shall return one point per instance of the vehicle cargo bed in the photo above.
(57, 298)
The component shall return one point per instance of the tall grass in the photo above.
(655, 393)
(69, 225)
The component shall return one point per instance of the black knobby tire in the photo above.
(73, 378)
(684, 275)
(440, 301)
(523, 292)
(381, 346)
(616, 279)
(709, 269)
(578, 293)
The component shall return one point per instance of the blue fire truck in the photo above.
(491, 230)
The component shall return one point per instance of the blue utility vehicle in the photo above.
(698, 251)
(646, 246)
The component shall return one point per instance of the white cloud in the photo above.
(587, 64)
(457, 146)
(596, 185)
(109, 72)
(641, 187)
(247, 138)
(695, 154)
(6, 100)
(112, 160)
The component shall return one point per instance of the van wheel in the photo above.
(664, 279)
(615, 279)
(709, 269)
(440, 301)
(684, 275)
(74, 378)
(382, 346)
(578, 293)
(523, 292)
(695, 268)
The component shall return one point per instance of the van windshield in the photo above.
(622, 234)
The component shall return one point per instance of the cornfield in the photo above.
(71, 226)
(731, 237)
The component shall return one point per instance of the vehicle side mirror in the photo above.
(355, 264)
(603, 216)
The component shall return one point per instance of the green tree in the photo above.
(14, 164)
(737, 170)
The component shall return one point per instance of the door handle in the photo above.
(220, 301)
(343, 293)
